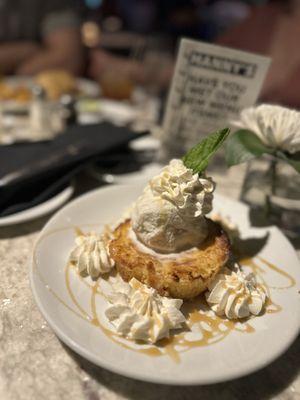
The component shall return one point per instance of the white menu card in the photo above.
(210, 86)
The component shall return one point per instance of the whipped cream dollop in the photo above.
(169, 215)
(235, 294)
(140, 313)
(91, 255)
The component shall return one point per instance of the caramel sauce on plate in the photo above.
(203, 327)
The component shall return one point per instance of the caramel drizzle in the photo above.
(291, 280)
(214, 329)
(270, 307)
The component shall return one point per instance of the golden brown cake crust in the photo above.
(183, 277)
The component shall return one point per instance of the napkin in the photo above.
(30, 173)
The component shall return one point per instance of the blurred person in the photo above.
(155, 20)
(269, 28)
(273, 29)
(160, 21)
(36, 35)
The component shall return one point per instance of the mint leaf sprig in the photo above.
(199, 156)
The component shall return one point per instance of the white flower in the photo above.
(278, 127)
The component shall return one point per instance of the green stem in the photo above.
(273, 179)
(273, 171)
(268, 206)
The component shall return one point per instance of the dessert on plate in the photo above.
(19, 94)
(168, 243)
(166, 251)
(57, 82)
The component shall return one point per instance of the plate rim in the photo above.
(40, 209)
(139, 376)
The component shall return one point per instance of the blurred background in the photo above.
(83, 81)
(121, 44)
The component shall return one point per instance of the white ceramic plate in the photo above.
(239, 353)
(40, 209)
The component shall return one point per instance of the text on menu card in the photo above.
(211, 85)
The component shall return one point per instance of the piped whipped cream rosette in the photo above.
(235, 294)
(169, 215)
(91, 255)
(138, 312)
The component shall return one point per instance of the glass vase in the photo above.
(272, 189)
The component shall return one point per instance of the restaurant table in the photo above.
(36, 365)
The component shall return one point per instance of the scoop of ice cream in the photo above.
(169, 215)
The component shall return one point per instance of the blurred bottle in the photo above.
(116, 85)
(39, 117)
(68, 104)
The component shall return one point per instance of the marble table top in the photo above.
(35, 365)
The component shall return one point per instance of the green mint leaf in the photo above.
(199, 156)
(292, 159)
(243, 146)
